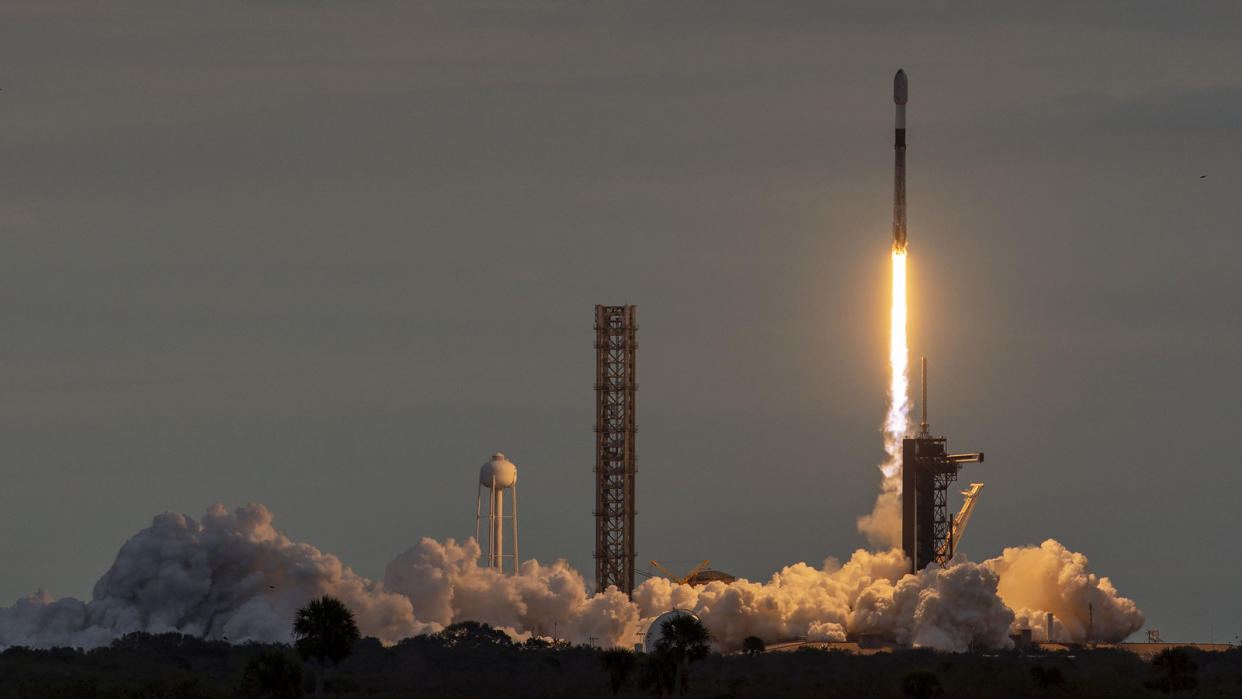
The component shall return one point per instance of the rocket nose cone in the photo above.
(899, 87)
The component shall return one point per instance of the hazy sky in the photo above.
(329, 256)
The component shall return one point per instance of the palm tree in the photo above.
(325, 632)
(684, 637)
(683, 640)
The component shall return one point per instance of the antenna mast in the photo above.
(923, 432)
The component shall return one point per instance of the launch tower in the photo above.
(927, 471)
(615, 344)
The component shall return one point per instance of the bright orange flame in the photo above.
(883, 526)
(897, 422)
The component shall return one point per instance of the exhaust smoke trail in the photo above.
(883, 526)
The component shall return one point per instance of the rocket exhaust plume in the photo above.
(897, 420)
(883, 526)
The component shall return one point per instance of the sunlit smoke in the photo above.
(871, 594)
(883, 526)
(1036, 581)
(235, 576)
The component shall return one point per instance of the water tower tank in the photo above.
(500, 468)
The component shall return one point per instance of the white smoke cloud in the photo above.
(965, 605)
(233, 575)
(446, 585)
(1051, 578)
(871, 593)
(882, 526)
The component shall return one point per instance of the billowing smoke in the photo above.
(882, 526)
(870, 594)
(231, 576)
(965, 605)
(798, 602)
(1051, 578)
(445, 584)
(234, 576)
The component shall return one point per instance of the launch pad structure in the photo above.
(928, 532)
(927, 471)
(616, 330)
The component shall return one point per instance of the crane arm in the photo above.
(674, 578)
(959, 522)
(665, 571)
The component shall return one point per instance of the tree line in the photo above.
(469, 659)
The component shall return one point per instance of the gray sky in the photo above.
(330, 256)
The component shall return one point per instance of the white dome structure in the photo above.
(655, 632)
(497, 475)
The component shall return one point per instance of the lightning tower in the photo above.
(615, 344)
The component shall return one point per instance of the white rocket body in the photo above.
(900, 94)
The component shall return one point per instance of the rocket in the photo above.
(899, 179)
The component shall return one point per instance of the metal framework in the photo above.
(496, 519)
(957, 525)
(927, 471)
(615, 344)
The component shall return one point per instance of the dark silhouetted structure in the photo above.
(926, 473)
(615, 385)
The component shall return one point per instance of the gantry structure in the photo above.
(927, 471)
(616, 331)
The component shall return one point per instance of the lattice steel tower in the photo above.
(927, 471)
(615, 344)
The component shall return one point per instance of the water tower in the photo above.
(498, 475)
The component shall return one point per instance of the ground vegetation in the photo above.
(472, 660)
